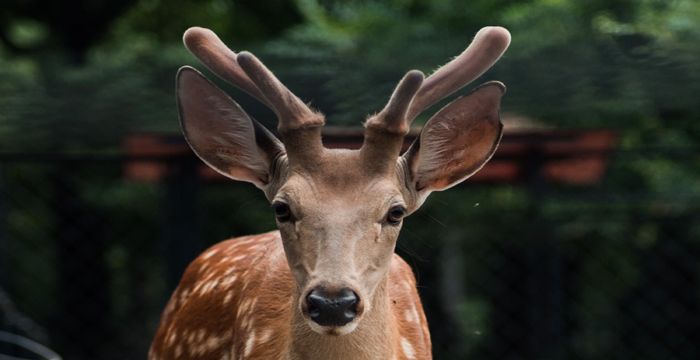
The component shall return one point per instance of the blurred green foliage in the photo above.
(573, 64)
(633, 66)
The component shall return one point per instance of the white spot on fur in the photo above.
(196, 351)
(265, 336)
(228, 281)
(191, 338)
(243, 308)
(208, 286)
(172, 337)
(203, 268)
(248, 304)
(210, 253)
(258, 247)
(197, 287)
(184, 294)
(249, 344)
(244, 241)
(213, 343)
(228, 297)
(411, 315)
(200, 335)
(252, 303)
(407, 349)
(209, 276)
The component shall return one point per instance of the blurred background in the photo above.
(581, 240)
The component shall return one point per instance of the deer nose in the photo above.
(328, 308)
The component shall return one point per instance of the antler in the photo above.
(298, 125)
(385, 131)
(486, 48)
(222, 61)
(292, 112)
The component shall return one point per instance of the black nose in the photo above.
(328, 308)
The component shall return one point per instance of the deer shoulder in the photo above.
(249, 274)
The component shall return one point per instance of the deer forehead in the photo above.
(339, 180)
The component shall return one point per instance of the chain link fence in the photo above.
(88, 258)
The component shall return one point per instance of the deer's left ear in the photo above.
(457, 141)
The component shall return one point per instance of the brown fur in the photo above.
(246, 298)
(199, 324)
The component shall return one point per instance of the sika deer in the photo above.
(327, 284)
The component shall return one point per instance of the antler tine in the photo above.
(392, 118)
(486, 48)
(385, 131)
(292, 112)
(215, 55)
(247, 73)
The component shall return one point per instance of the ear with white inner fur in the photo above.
(221, 133)
(457, 141)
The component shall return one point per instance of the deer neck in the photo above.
(373, 339)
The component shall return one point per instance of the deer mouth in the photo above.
(333, 330)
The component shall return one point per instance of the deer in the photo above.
(327, 284)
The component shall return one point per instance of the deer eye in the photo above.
(395, 214)
(282, 212)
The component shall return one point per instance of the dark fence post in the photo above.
(545, 305)
(83, 291)
(452, 292)
(531, 322)
(3, 234)
(180, 231)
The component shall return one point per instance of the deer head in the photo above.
(340, 211)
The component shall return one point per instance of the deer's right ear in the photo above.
(221, 133)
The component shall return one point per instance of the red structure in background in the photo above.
(560, 156)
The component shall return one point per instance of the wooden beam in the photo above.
(576, 157)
